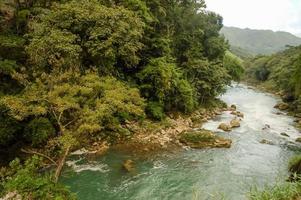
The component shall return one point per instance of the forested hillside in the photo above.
(74, 72)
(259, 41)
(280, 72)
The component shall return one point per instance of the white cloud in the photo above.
(284, 15)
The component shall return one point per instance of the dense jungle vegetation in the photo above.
(280, 72)
(73, 72)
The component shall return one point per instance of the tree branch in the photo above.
(40, 154)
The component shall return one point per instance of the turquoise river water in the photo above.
(198, 174)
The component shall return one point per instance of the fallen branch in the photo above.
(40, 154)
(61, 164)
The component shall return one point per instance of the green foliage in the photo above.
(9, 128)
(84, 32)
(78, 104)
(285, 191)
(155, 111)
(295, 164)
(162, 82)
(31, 184)
(281, 70)
(39, 130)
(12, 47)
(234, 66)
(7, 67)
(208, 78)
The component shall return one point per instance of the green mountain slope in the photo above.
(259, 41)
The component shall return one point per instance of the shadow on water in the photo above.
(198, 174)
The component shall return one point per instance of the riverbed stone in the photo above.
(129, 165)
(237, 113)
(284, 134)
(265, 141)
(204, 139)
(233, 108)
(235, 123)
(225, 127)
(281, 106)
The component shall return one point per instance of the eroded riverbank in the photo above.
(198, 174)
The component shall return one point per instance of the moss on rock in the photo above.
(203, 139)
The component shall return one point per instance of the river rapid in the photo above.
(198, 174)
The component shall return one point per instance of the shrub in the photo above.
(30, 184)
(9, 128)
(162, 81)
(155, 111)
(39, 130)
(262, 74)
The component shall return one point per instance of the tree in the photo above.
(86, 33)
(79, 105)
(162, 82)
(234, 66)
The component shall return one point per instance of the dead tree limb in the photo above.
(61, 164)
(40, 154)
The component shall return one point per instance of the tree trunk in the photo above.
(61, 164)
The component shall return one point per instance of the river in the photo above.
(198, 174)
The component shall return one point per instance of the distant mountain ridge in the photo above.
(259, 41)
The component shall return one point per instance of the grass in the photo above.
(294, 163)
(285, 191)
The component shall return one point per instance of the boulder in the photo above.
(237, 113)
(282, 106)
(217, 112)
(234, 113)
(204, 139)
(284, 134)
(225, 127)
(233, 107)
(235, 123)
(298, 139)
(264, 141)
(298, 115)
(128, 165)
(266, 126)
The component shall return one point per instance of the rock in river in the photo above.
(284, 134)
(204, 139)
(282, 106)
(235, 123)
(264, 141)
(129, 165)
(225, 127)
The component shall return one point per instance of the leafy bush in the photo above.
(162, 82)
(9, 128)
(30, 184)
(39, 130)
(234, 66)
(262, 74)
(155, 111)
(86, 33)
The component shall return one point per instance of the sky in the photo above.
(277, 15)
